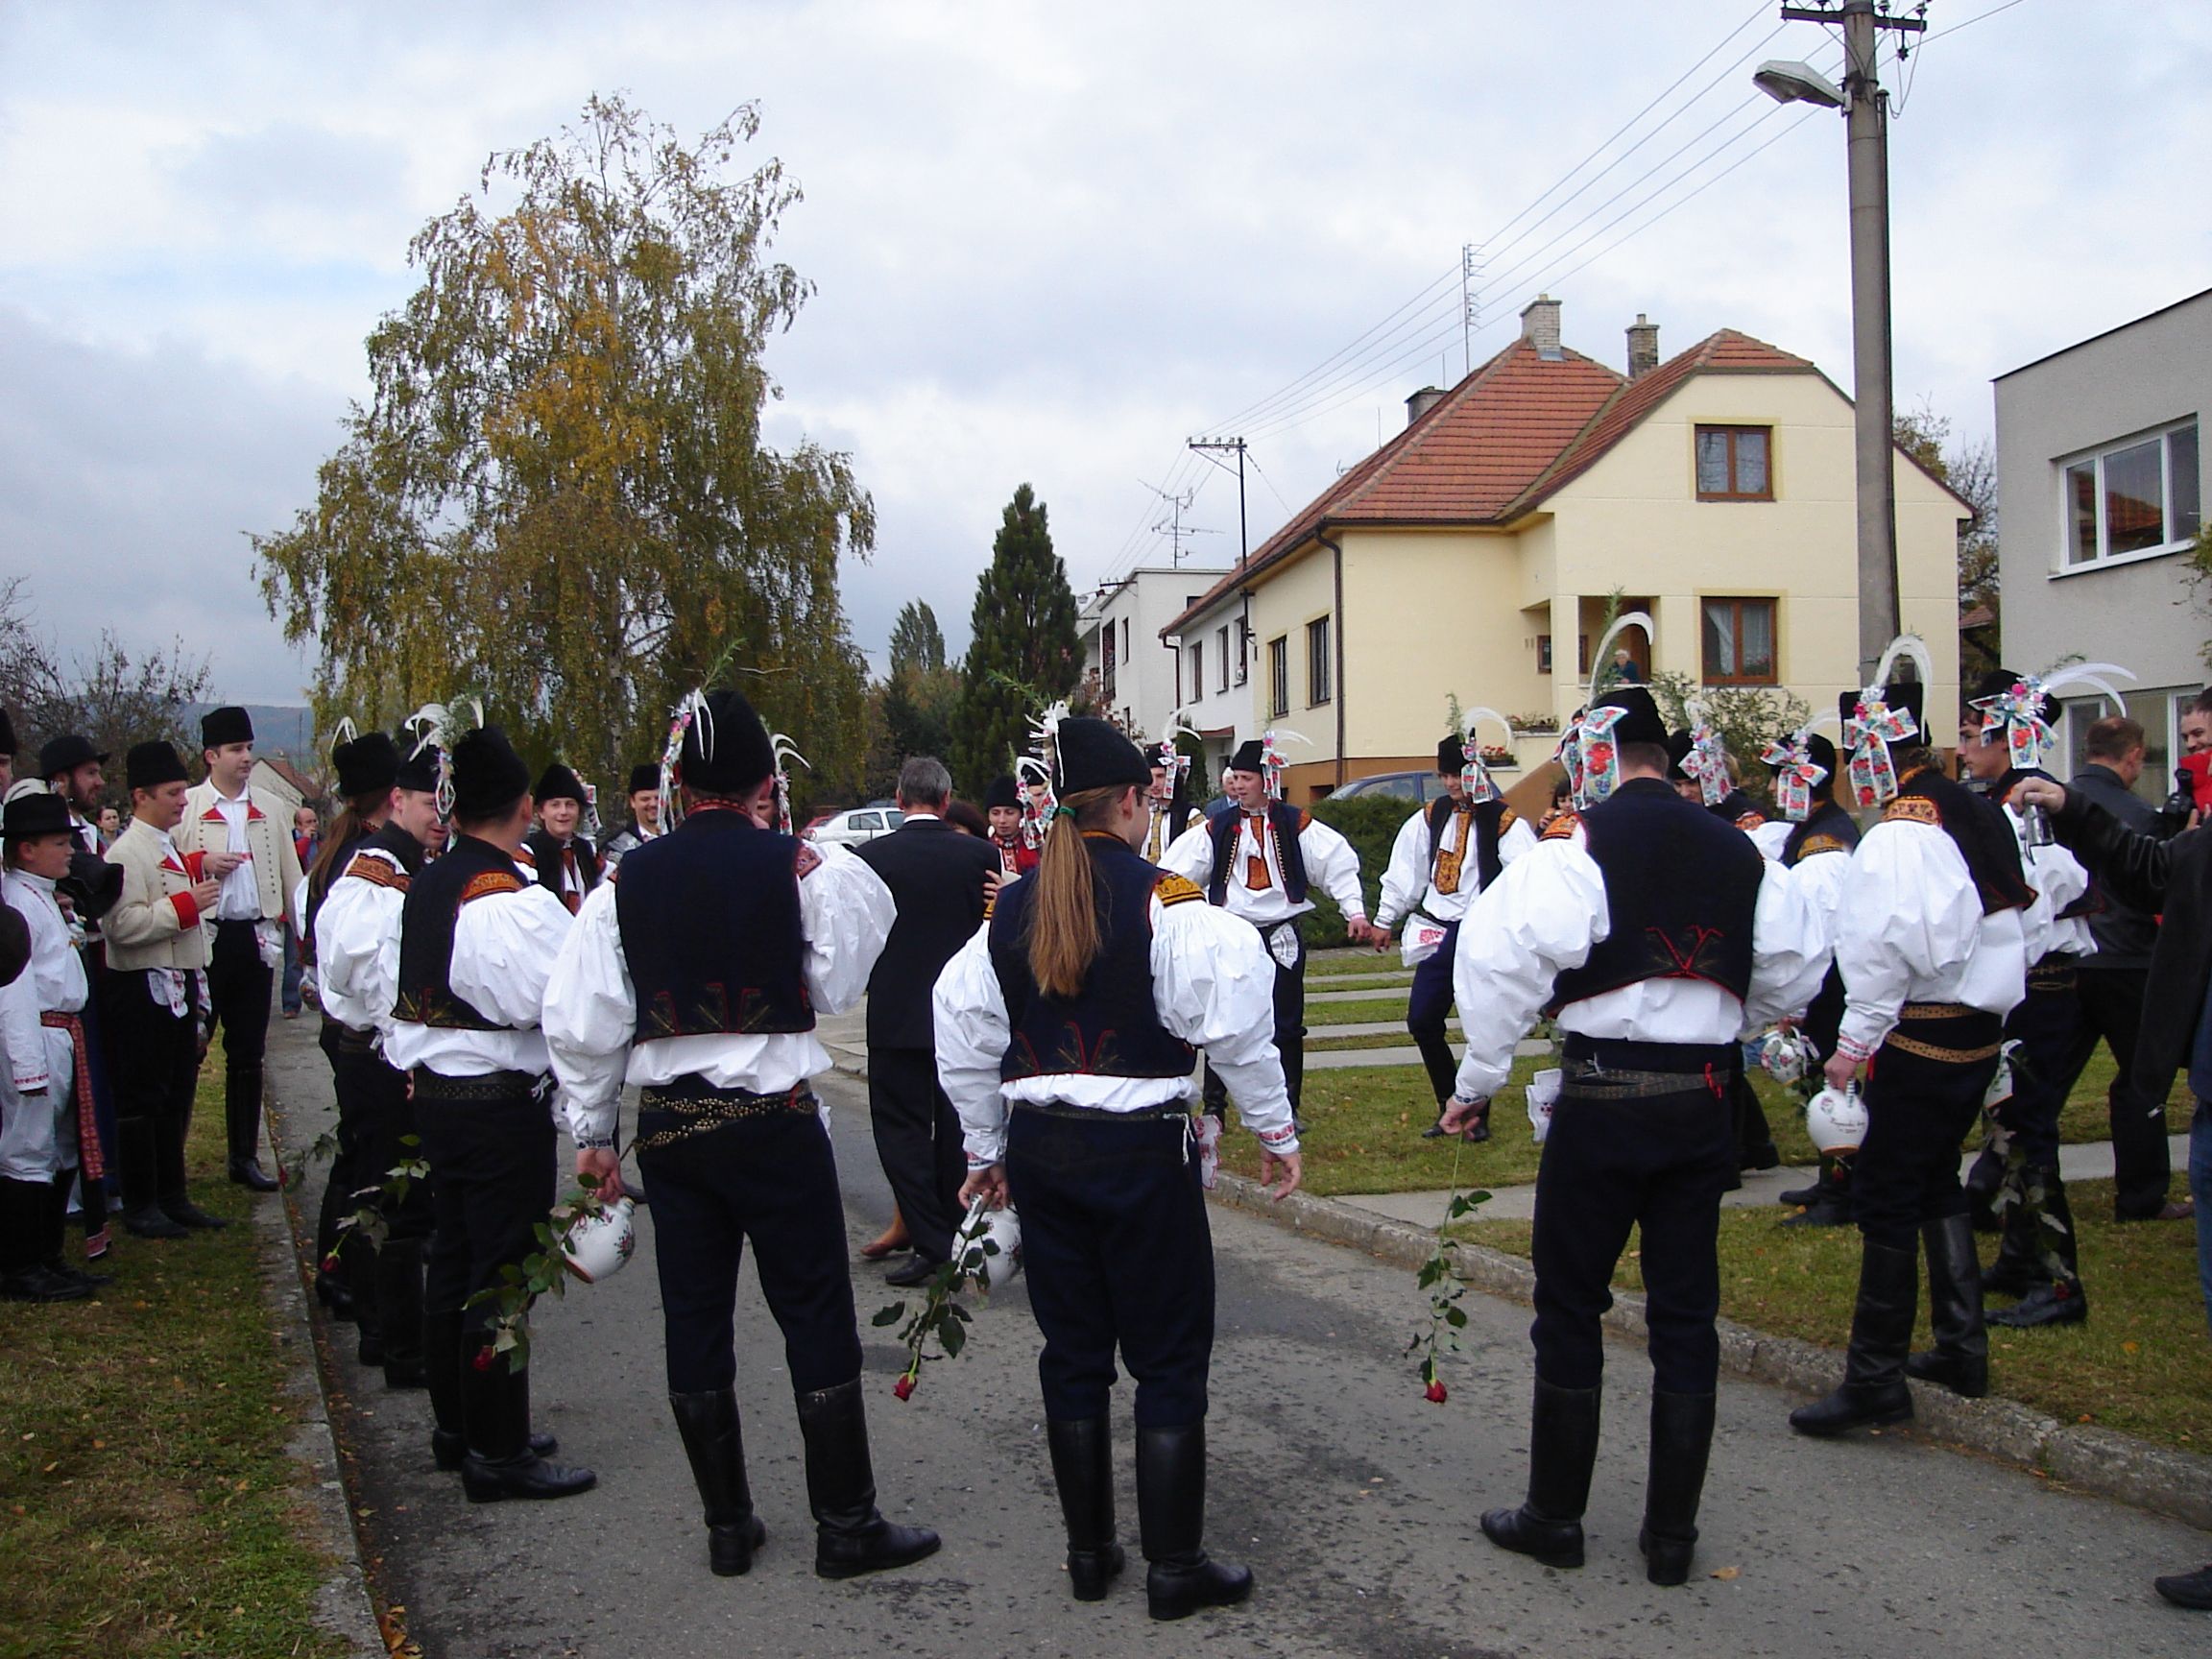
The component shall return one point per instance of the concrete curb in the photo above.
(344, 1606)
(2104, 1461)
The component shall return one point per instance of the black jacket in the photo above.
(935, 875)
(2123, 933)
(547, 851)
(2171, 878)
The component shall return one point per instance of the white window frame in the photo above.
(2095, 458)
(1221, 650)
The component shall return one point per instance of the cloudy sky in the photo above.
(1051, 242)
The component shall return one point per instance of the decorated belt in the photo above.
(432, 1085)
(1944, 1054)
(700, 1111)
(1609, 1084)
(348, 1040)
(1099, 1115)
(1938, 1011)
(91, 1160)
(2054, 973)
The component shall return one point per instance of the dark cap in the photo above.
(369, 765)
(1817, 748)
(1097, 755)
(67, 753)
(1250, 757)
(1679, 747)
(35, 812)
(726, 748)
(148, 765)
(418, 768)
(1452, 755)
(1002, 793)
(644, 775)
(488, 776)
(1910, 695)
(228, 724)
(557, 783)
(1640, 721)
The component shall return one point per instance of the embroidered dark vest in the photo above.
(1681, 889)
(1830, 824)
(1739, 810)
(1489, 819)
(1112, 1028)
(710, 930)
(470, 870)
(1287, 821)
(1977, 827)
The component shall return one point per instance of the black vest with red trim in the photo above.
(1681, 893)
(1112, 1028)
(710, 930)
(1287, 822)
(1977, 827)
(470, 870)
(1489, 824)
(1739, 810)
(1829, 830)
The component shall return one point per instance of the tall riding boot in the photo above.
(2019, 1265)
(713, 1439)
(142, 1215)
(495, 1409)
(1681, 1439)
(1873, 1390)
(1961, 1359)
(1083, 1470)
(54, 1243)
(362, 1269)
(24, 1276)
(1799, 1195)
(400, 1311)
(849, 1536)
(2061, 1301)
(242, 1125)
(443, 1362)
(169, 1173)
(1562, 1450)
(1171, 1522)
(1827, 1201)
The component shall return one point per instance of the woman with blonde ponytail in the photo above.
(1067, 1033)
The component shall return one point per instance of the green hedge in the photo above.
(1371, 824)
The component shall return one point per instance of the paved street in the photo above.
(1352, 1498)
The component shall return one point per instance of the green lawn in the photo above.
(1363, 1011)
(147, 1507)
(2142, 1363)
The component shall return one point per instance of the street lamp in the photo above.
(1788, 82)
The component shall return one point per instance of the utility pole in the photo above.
(1866, 111)
(1470, 304)
(1213, 448)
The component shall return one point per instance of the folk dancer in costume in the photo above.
(246, 837)
(1816, 847)
(46, 1120)
(568, 866)
(1654, 934)
(477, 939)
(1064, 1036)
(2039, 1219)
(1002, 804)
(1929, 939)
(1259, 859)
(157, 1005)
(357, 893)
(643, 824)
(728, 1133)
(1168, 809)
(1448, 851)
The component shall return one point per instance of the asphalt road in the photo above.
(1352, 1498)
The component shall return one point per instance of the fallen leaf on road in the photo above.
(1725, 1573)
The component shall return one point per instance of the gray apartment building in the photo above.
(2100, 480)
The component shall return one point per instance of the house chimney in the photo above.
(1539, 326)
(1422, 401)
(1643, 345)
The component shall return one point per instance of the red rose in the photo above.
(331, 1263)
(484, 1358)
(1436, 1394)
(904, 1386)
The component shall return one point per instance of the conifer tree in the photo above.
(1022, 640)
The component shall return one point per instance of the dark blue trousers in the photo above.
(1120, 1255)
(1427, 1010)
(494, 1183)
(772, 1180)
(1659, 1163)
(2043, 1074)
(1919, 1109)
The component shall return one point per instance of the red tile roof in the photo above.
(1497, 445)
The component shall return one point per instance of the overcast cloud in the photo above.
(1050, 243)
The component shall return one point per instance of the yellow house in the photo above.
(1474, 555)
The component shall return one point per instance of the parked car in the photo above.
(849, 828)
(1404, 785)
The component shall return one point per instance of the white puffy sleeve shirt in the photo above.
(1332, 866)
(504, 945)
(2060, 882)
(1544, 915)
(845, 912)
(357, 947)
(1213, 986)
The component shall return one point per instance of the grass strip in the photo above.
(148, 1506)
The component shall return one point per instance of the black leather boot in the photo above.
(2019, 1265)
(1083, 1471)
(1171, 1520)
(1562, 1450)
(400, 1312)
(169, 1169)
(242, 1127)
(495, 1403)
(23, 1276)
(1873, 1390)
(1961, 1359)
(1681, 1439)
(1828, 1200)
(850, 1537)
(1803, 1195)
(142, 1215)
(442, 1364)
(715, 1442)
(54, 1236)
(2060, 1301)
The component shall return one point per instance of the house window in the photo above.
(1198, 671)
(1732, 463)
(1543, 653)
(1317, 660)
(1739, 642)
(1107, 661)
(1278, 676)
(1221, 651)
(1124, 639)
(1243, 651)
(2137, 497)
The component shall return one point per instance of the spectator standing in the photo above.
(307, 842)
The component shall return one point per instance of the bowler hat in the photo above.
(35, 813)
(67, 753)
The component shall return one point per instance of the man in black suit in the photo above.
(937, 877)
